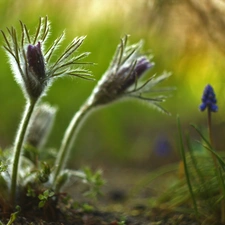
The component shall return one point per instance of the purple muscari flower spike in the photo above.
(209, 99)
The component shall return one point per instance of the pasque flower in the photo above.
(122, 77)
(32, 64)
(34, 71)
(209, 99)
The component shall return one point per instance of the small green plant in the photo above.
(44, 197)
(14, 216)
(122, 222)
(93, 180)
(28, 174)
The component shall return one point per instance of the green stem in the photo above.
(210, 126)
(18, 146)
(69, 138)
(210, 136)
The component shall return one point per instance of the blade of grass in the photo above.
(199, 174)
(182, 151)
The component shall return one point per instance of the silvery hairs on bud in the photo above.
(41, 125)
(32, 65)
(122, 78)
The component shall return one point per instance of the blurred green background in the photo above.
(185, 37)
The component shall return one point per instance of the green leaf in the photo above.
(41, 204)
(41, 197)
(51, 194)
(3, 166)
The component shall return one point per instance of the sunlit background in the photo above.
(185, 37)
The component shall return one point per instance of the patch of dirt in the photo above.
(124, 202)
(73, 217)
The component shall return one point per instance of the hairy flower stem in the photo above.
(18, 146)
(216, 164)
(69, 138)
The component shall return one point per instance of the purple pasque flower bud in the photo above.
(127, 66)
(35, 61)
(131, 75)
(209, 99)
(35, 76)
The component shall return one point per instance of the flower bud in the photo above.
(141, 65)
(127, 66)
(35, 61)
(34, 78)
(33, 68)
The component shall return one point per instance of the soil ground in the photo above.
(124, 202)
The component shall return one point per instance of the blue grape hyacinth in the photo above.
(209, 99)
